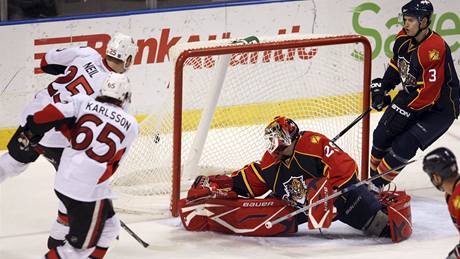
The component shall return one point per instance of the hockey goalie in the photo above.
(297, 170)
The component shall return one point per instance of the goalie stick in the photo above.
(134, 235)
(269, 224)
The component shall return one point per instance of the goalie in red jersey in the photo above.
(299, 168)
(441, 166)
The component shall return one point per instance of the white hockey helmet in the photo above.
(121, 47)
(117, 86)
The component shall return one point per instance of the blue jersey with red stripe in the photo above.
(426, 70)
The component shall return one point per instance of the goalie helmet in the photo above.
(280, 134)
(121, 47)
(440, 161)
(117, 86)
(418, 8)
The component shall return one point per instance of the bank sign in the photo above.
(156, 33)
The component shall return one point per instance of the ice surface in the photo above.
(28, 208)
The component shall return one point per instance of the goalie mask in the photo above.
(441, 162)
(122, 47)
(280, 134)
(118, 87)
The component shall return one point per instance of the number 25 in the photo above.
(330, 149)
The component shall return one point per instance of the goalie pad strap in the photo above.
(237, 216)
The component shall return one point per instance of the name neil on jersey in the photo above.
(111, 114)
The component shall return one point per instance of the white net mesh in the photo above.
(320, 87)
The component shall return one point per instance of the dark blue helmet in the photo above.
(440, 161)
(418, 8)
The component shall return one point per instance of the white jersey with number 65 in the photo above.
(100, 139)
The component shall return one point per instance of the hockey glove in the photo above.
(397, 116)
(217, 186)
(455, 253)
(380, 99)
(27, 140)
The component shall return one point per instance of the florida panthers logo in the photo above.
(295, 190)
(403, 66)
(407, 79)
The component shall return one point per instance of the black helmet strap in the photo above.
(420, 29)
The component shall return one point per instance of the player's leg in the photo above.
(59, 229)
(360, 209)
(381, 145)
(422, 134)
(86, 224)
(109, 234)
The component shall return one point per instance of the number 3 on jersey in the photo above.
(108, 131)
(432, 75)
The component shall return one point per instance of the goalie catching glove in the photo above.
(215, 186)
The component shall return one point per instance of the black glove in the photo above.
(380, 99)
(397, 116)
(27, 140)
(455, 253)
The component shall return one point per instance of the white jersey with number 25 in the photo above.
(85, 72)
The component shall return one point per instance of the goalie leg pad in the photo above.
(399, 214)
(246, 217)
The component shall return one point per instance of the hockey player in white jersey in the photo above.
(81, 70)
(101, 132)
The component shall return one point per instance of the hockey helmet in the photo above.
(121, 47)
(117, 86)
(418, 8)
(440, 161)
(280, 133)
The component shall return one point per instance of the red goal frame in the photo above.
(223, 50)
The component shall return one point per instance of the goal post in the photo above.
(223, 94)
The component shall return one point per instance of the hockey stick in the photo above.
(134, 235)
(269, 224)
(353, 123)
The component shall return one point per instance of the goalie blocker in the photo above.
(208, 207)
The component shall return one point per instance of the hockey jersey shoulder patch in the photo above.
(315, 139)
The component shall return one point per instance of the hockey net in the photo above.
(222, 96)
